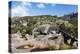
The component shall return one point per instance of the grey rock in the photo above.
(51, 39)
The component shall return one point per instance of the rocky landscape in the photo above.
(43, 33)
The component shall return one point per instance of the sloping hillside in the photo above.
(26, 32)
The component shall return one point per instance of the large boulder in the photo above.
(48, 39)
(45, 29)
(44, 41)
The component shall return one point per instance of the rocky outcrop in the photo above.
(41, 42)
(49, 39)
(45, 29)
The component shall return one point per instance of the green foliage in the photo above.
(70, 26)
(66, 47)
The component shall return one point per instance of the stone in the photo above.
(42, 41)
(45, 29)
(28, 37)
(75, 44)
(69, 41)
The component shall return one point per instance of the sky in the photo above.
(23, 8)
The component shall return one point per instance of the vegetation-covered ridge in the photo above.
(27, 23)
(44, 32)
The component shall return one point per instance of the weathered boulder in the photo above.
(28, 37)
(44, 41)
(49, 38)
(45, 29)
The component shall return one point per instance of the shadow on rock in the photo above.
(38, 49)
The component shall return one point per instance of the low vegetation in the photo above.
(26, 24)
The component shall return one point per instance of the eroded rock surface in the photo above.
(42, 41)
